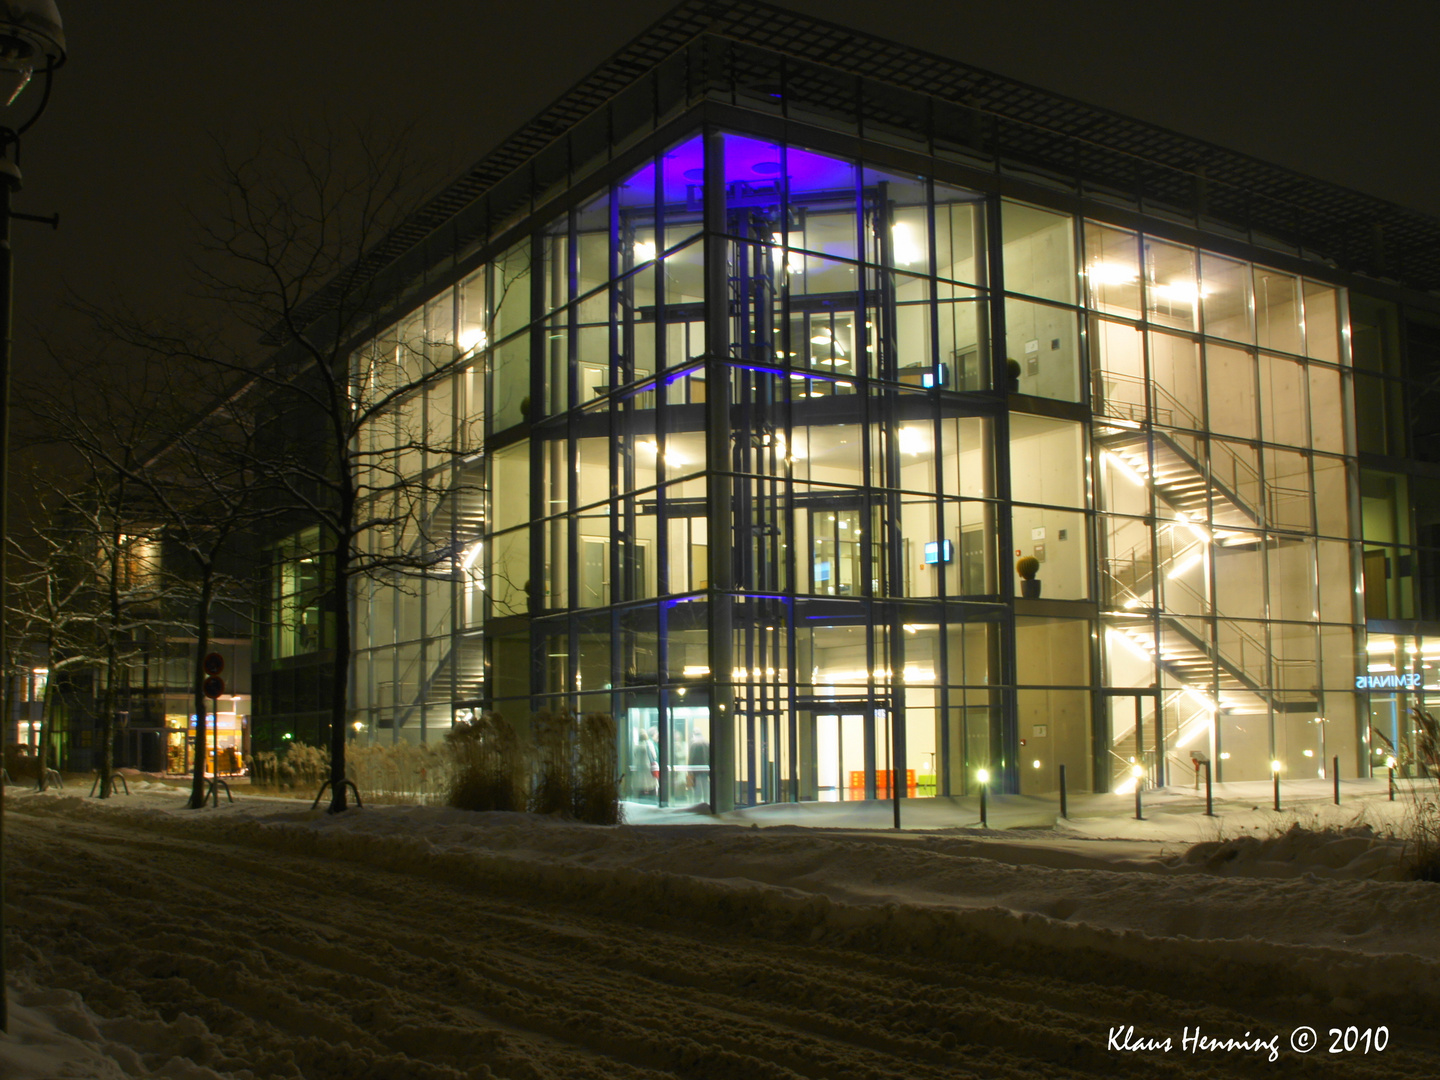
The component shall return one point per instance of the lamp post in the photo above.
(983, 775)
(32, 41)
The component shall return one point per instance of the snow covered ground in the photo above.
(262, 940)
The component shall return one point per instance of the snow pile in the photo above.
(53, 1034)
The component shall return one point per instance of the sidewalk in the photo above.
(1171, 813)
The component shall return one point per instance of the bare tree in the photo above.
(54, 601)
(188, 483)
(337, 441)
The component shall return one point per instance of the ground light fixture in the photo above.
(1138, 772)
(983, 775)
(32, 41)
(1275, 772)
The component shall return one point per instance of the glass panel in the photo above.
(1287, 489)
(1124, 464)
(1327, 409)
(1239, 574)
(1337, 593)
(960, 236)
(510, 299)
(1225, 297)
(1333, 480)
(914, 360)
(1374, 336)
(1047, 460)
(557, 564)
(963, 342)
(1042, 352)
(1235, 490)
(1277, 310)
(1128, 571)
(968, 466)
(1175, 371)
(509, 579)
(511, 385)
(683, 174)
(592, 470)
(1117, 359)
(1183, 572)
(1292, 581)
(1039, 252)
(1322, 322)
(1282, 401)
(1056, 540)
(510, 480)
(1172, 292)
(472, 318)
(1230, 377)
(1112, 270)
(829, 454)
(899, 203)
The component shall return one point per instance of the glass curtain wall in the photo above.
(730, 462)
(764, 488)
(1223, 472)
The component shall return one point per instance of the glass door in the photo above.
(1134, 736)
(832, 765)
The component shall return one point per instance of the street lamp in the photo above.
(32, 41)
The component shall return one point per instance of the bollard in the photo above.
(1335, 772)
(1392, 783)
(1209, 800)
(983, 823)
(1275, 770)
(1064, 802)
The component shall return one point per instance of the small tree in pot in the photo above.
(1027, 568)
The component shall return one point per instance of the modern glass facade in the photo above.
(766, 401)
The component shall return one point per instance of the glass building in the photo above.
(839, 416)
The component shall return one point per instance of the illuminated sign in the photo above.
(1387, 682)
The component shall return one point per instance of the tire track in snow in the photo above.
(414, 976)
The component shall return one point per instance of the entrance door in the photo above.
(832, 758)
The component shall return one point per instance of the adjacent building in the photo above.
(837, 415)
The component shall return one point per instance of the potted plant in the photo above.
(1027, 568)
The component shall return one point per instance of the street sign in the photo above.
(213, 664)
(214, 687)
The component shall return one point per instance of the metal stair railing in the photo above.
(1228, 473)
(422, 691)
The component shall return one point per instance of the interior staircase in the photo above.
(1226, 492)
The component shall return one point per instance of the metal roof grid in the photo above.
(1058, 131)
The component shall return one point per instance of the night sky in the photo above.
(1346, 91)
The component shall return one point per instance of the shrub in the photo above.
(553, 736)
(400, 772)
(486, 769)
(1421, 831)
(597, 772)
